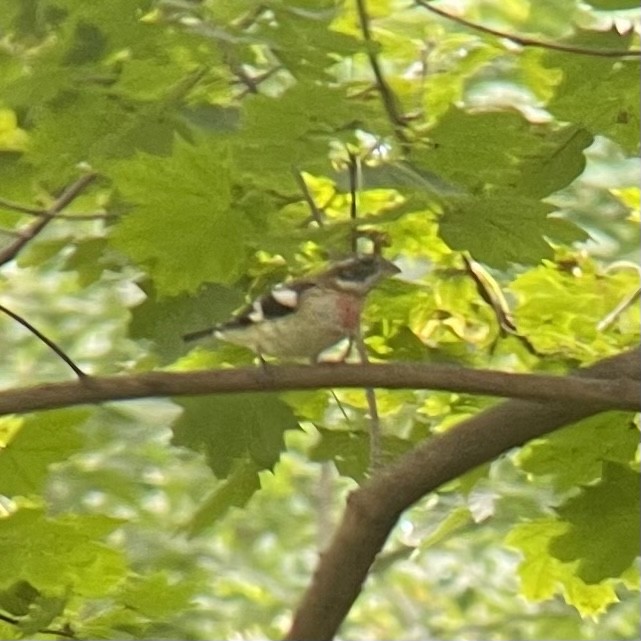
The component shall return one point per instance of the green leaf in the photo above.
(605, 101)
(453, 522)
(188, 234)
(42, 439)
(542, 576)
(157, 595)
(557, 164)
(613, 5)
(575, 455)
(465, 149)
(165, 320)
(233, 427)
(18, 598)
(234, 491)
(42, 612)
(502, 229)
(604, 528)
(349, 450)
(59, 553)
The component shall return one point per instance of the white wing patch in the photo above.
(285, 296)
(256, 315)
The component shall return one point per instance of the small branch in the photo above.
(609, 320)
(353, 204)
(316, 213)
(616, 394)
(387, 95)
(373, 510)
(250, 18)
(37, 211)
(252, 83)
(375, 438)
(46, 216)
(47, 341)
(524, 41)
(24, 209)
(10, 232)
(54, 631)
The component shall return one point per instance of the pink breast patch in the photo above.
(349, 309)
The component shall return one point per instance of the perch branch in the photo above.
(614, 394)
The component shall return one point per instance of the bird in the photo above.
(302, 318)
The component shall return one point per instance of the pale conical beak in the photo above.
(389, 268)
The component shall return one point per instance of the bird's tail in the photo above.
(194, 336)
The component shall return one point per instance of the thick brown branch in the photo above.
(67, 196)
(614, 394)
(373, 510)
(524, 41)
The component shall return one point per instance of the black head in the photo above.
(361, 273)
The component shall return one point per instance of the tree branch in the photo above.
(47, 341)
(390, 103)
(37, 211)
(23, 209)
(621, 393)
(46, 216)
(60, 632)
(315, 211)
(611, 318)
(373, 510)
(524, 41)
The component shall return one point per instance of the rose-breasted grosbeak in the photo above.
(304, 317)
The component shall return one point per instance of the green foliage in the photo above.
(202, 517)
(604, 526)
(61, 553)
(33, 445)
(233, 427)
(165, 242)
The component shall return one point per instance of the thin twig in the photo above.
(250, 18)
(375, 438)
(79, 216)
(55, 631)
(47, 341)
(525, 41)
(316, 212)
(390, 103)
(608, 320)
(353, 204)
(252, 82)
(10, 204)
(67, 196)
(10, 232)
(375, 446)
